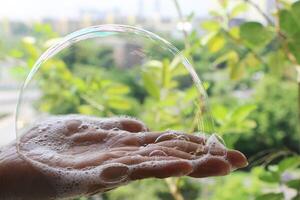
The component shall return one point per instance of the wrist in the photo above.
(18, 179)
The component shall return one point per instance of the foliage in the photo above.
(250, 77)
(155, 190)
(276, 120)
(172, 107)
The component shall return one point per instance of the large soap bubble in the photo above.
(71, 77)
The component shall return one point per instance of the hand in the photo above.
(79, 155)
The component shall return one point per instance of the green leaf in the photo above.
(16, 53)
(219, 113)
(150, 85)
(234, 32)
(269, 177)
(166, 75)
(236, 71)
(270, 196)
(190, 94)
(276, 61)
(251, 61)
(294, 46)
(19, 72)
(238, 9)
(289, 163)
(231, 57)
(216, 43)
(154, 64)
(176, 66)
(294, 184)
(290, 26)
(255, 35)
(288, 23)
(119, 103)
(210, 25)
(117, 89)
(86, 109)
(242, 112)
(224, 3)
(296, 10)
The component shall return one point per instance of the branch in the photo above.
(238, 41)
(288, 53)
(181, 19)
(267, 18)
(174, 189)
(282, 37)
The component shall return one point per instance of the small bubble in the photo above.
(84, 126)
(158, 153)
(183, 137)
(165, 136)
(73, 125)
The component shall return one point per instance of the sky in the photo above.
(38, 9)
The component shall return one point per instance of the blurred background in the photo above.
(247, 52)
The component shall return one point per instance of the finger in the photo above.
(137, 159)
(161, 169)
(127, 140)
(156, 137)
(185, 146)
(124, 123)
(114, 173)
(155, 150)
(86, 159)
(91, 136)
(128, 149)
(132, 125)
(210, 166)
(236, 159)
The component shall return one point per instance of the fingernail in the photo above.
(236, 159)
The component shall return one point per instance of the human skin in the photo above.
(72, 155)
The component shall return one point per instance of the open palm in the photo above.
(83, 155)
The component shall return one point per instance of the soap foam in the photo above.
(44, 148)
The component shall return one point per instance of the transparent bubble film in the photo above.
(107, 71)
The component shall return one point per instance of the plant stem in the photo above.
(181, 19)
(289, 55)
(267, 18)
(174, 188)
(239, 42)
(298, 82)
